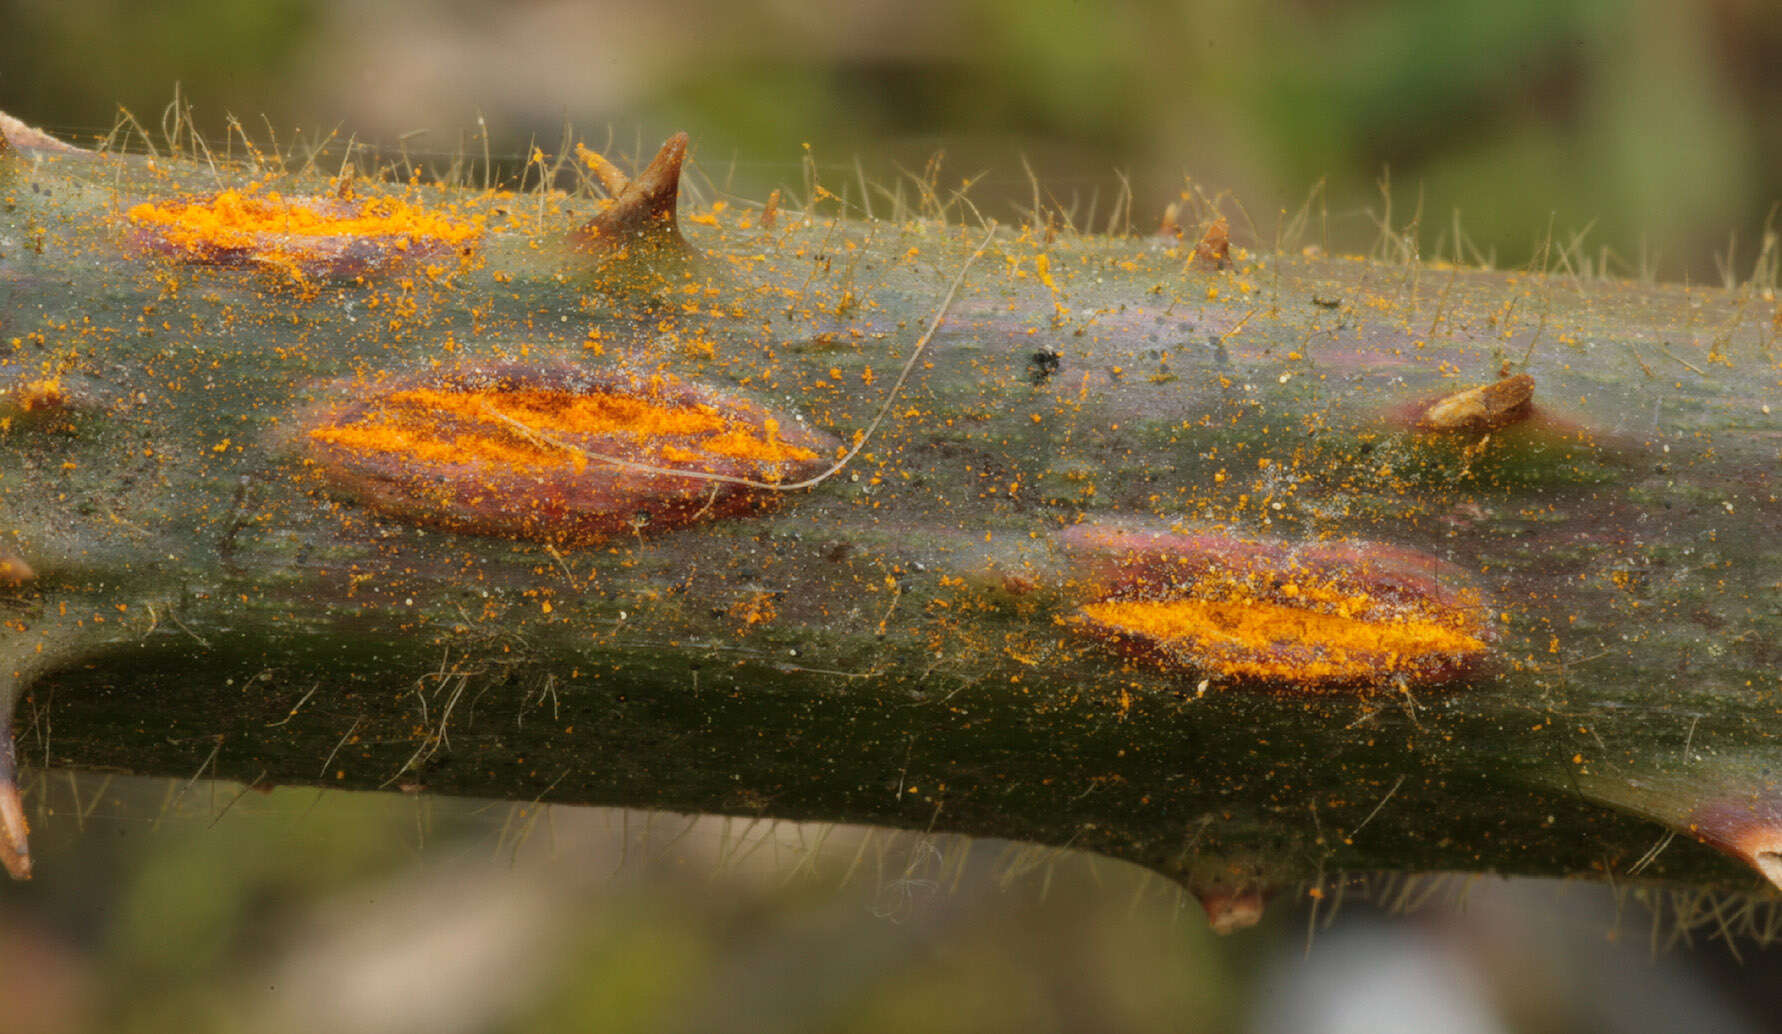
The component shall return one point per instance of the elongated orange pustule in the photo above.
(1319, 615)
(306, 236)
(558, 454)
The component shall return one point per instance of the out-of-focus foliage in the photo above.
(1649, 121)
(198, 907)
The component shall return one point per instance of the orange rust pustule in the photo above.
(1316, 616)
(557, 454)
(1487, 407)
(46, 404)
(304, 236)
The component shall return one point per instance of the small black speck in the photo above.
(1042, 365)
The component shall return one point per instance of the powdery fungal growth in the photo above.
(304, 236)
(1325, 615)
(557, 454)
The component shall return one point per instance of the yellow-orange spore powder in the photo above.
(1321, 615)
(1262, 639)
(310, 234)
(526, 429)
(558, 454)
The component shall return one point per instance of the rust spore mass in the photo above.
(303, 236)
(558, 454)
(1317, 616)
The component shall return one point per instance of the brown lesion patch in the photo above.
(1317, 616)
(559, 454)
(305, 236)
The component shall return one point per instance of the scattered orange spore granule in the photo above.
(308, 234)
(558, 453)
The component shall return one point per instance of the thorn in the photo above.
(612, 179)
(1170, 227)
(15, 851)
(1747, 827)
(16, 134)
(14, 572)
(1232, 909)
(1215, 247)
(1484, 408)
(644, 209)
(1733, 806)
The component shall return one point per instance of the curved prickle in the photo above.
(642, 214)
(1730, 803)
(16, 135)
(14, 571)
(1487, 407)
(15, 849)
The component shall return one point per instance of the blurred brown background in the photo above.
(1652, 122)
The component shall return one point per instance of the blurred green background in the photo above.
(1652, 122)
(175, 907)
(190, 907)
